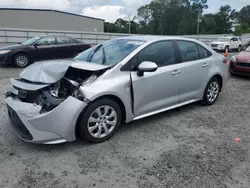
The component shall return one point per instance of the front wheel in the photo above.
(21, 60)
(100, 120)
(212, 92)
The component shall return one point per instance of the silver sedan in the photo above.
(116, 82)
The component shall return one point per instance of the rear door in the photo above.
(65, 47)
(44, 49)
(160, 89)
(194, 67)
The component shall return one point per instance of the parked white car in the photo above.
(230, 43)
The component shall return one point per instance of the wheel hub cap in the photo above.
(22, 61)
(213, 91)
(102, 121)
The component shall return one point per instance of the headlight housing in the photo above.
(4, 51)
(233, 59)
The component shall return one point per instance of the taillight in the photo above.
(224, 60)
(90, 45)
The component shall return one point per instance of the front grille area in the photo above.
(240, 64)
(18, 125)
(29, 96)
(214, 45)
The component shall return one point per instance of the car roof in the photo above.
(41, 36)
(228, 37)
(153, 38)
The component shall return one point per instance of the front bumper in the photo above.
(218, 48)
(234, 69)
(54, 127)
(5, 59)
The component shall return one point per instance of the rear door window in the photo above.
(64, 40)
(204, 53)
(188, 51)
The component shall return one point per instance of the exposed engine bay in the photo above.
(53, 95)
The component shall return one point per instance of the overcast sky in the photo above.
(109, 10)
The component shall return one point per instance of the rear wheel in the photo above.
(100, 121)
(21, 60)
(211, 92)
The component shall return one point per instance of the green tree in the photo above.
(242, 28)
(208, 24)
(224, 19)
(244, 14)
(110, 27)
(171, 17)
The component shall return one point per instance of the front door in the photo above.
(44, 49)
(194, 67)
(160, 89)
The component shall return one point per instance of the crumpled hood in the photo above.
(52, 71)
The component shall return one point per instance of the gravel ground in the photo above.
(190, 147)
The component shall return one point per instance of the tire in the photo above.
(239, 49)
(21, 60)
(227, 48)
(214, 85)
(89, 125)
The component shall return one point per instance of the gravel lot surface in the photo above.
(190, 147)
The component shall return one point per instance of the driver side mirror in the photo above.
(35, 45)
(146, 66)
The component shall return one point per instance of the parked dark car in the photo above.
(41, 48)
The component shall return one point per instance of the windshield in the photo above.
(110, 52)
(222, 40)
(30, 41)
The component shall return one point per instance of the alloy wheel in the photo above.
(213, 91)
(22, 61)
(102, 121)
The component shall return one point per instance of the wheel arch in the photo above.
(21, 52)
(219, 77)
(109, 96)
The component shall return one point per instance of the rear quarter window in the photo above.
(204, 53)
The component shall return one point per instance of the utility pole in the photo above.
(198, 25)
(129, 24)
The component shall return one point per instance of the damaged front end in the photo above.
(48, 112)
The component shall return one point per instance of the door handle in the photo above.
(175, 72)
(205, 65)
